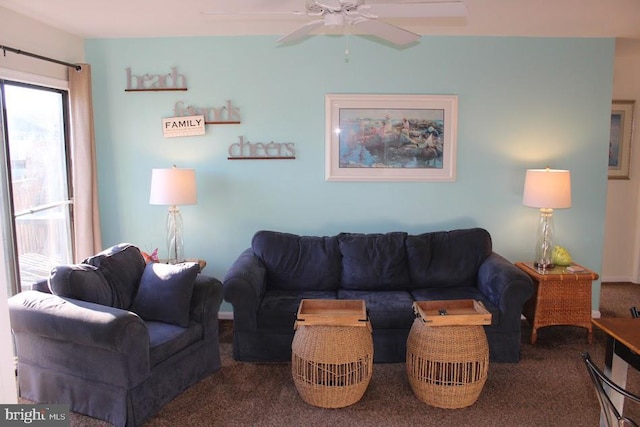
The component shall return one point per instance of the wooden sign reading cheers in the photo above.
(245, 150)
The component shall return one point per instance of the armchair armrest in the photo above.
(505, 285)
(76, 321)
(243, 286)
(56, 325)
(205, 302)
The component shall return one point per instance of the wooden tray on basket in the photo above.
(326, 312)
(452, 312)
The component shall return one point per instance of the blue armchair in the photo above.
(116, 338)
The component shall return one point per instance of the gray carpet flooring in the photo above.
(549, 387)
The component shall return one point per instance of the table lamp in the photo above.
(173, 187)
(546, 189)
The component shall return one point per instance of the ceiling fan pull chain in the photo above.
(346, 48)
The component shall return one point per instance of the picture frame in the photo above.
(390, 137)
(621, 136)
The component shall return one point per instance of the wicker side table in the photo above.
(448, 353)
(332, 352)
(560, 298)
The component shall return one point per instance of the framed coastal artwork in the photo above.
(390, 137)
(621, 135)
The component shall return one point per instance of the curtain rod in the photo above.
(33, 55)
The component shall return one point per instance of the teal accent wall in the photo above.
(523, 103)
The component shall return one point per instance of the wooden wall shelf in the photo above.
(158, 89)
(261, 158)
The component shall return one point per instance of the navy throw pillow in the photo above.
(165, 291)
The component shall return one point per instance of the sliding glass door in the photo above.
(37, 172)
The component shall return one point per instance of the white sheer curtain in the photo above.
(87, 235)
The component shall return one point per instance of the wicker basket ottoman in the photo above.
(448, 353)
(332, 357)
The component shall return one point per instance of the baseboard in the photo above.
(225, 315)
(228, 315)
(604, 279)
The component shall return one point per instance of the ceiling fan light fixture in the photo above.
(355, 13)
(334, 20)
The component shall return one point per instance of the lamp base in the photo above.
(544, 265)
(175, 242)
(544, 244)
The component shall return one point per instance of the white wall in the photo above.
(621, 255)
(20, 32)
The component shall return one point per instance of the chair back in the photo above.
(603, 384)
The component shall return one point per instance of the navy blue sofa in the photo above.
(388, 271)
(116, 338)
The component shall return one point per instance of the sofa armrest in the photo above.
(506, 286)
(205, 302)
(243, 287)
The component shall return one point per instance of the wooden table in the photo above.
(332, 352)
(623, 350)
(560, 298)
(447, 352)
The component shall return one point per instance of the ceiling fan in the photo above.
(365, 17)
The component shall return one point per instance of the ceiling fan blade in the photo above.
(260, 13)
(302, 31)
(438, 9)
(391, 33)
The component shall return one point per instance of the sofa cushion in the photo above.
(386, 309)
(447, 258)
(122, 266)
(279, 308)
(165, 292)
(293, 262)
(374, 261)
(81, 281)
(165, 339)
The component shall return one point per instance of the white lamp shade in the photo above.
(547, 188)
(173, 187)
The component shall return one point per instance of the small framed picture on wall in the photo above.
(621, 135)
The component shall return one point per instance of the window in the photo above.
(35, 141)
